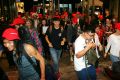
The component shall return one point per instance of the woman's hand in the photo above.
(50, 45)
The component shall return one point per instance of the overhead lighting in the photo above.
(35, 0)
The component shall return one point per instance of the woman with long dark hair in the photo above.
(26, 70)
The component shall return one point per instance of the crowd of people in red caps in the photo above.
(35, 28)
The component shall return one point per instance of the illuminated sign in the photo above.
(20, 7)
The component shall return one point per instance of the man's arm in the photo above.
(107, 47)
(48, 41)
(84, 51)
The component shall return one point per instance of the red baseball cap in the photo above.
(117, 26)
(40, 15)
(10, 34)
(17, 21)
(73, 14)
(78, 13)
(74, 20)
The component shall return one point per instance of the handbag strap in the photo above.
(88, 75)
(28, 58)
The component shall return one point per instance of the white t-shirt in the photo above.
(79, 63)
(114, 42)
(44, 29)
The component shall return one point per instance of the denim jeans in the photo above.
(114, 58)
(55, 54)
(83, 74)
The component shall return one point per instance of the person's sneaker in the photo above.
(58, 75)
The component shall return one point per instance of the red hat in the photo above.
(66, 14)
(40, 15)
(17, 21)
(74, 20)
(73, 14)
(100, 17)
(10, 34)
(56, 16)
(78, 13)
(117, 26)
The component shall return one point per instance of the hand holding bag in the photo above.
(91, 56)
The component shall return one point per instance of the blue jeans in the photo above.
(55, 54)
(83, 74)
(114, 58)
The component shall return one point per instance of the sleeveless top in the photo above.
(25, 68)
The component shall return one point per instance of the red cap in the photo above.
(10, 34)
(73, 15)
(40, 15)
(17, 21)
(100, 17)
(74, 20)
(56, 16)
(78, 13)
(66, 14)
(117, 26)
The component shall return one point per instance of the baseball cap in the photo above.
(117, 26)
(74, 20)
(10, 34)
(17, 21)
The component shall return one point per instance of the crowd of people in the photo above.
(43, 36)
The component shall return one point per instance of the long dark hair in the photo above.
(46, 22)
(18, 45)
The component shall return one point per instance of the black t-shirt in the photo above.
(55, 36)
